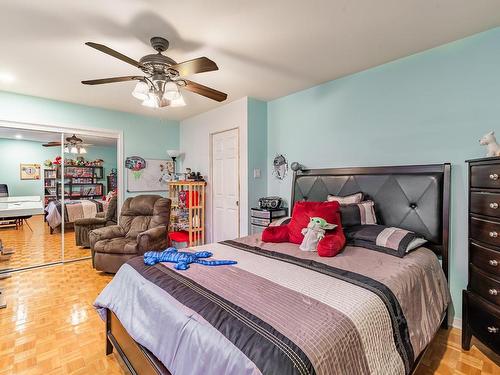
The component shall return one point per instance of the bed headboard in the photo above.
(414, 197)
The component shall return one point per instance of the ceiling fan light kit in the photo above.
(159, 87)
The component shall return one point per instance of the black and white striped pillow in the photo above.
(358, 214)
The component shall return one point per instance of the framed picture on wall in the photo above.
(30, 171)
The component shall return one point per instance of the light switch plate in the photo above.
(256, 173)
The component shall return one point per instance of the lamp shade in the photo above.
(152, 100)
(173, 153)
(179, 102)
(83, 150)
(73, 150)
(141, 90)
(171, 91)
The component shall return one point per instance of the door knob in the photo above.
(493, 176)
(493, 262)
(494, 205)
(493, 292)
(493, 234)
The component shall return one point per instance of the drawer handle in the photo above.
(493, 292)
(493, 234)
(494, 205)
(493, 176)
(493, 262)
(493, 329)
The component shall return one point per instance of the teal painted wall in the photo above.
(148, 137)
(257, 150)
(14, 152)
(431, 107)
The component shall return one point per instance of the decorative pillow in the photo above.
(358, 214)
(389, 240)
(347, 199)
(281, 221)
(331, 244)
(302, 213)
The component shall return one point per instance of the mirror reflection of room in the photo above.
(89, 183)
(25, 237)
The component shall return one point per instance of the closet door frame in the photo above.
(81, 130)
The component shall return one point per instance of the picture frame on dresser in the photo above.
(481, 299)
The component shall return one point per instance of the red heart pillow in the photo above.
(302, 213)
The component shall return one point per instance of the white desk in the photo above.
(20, 206)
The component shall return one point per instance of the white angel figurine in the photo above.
(314, 232)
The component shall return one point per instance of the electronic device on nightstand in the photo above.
(481, 300)
(269, 209)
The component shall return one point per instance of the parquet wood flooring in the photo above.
(50, 327)
(38, 247)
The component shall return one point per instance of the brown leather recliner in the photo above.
(142, 227)
(102, 219)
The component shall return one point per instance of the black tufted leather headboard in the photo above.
(412, 197)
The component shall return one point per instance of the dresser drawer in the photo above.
(485, 259)
(485, 176)
(485, 203)
(484, 285)
(484, 319)
(487, 231)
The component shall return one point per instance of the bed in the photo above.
(283, 311)
(73, 210)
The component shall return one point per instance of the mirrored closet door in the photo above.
(89, 178)
(28, 201)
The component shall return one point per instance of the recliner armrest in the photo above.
(105, 233)
(91, 221)
(152, 239)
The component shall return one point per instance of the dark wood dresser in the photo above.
(481, 300)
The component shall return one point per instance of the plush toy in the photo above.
(332, 243)
(492, 147)
(314, 232)
(182, 259)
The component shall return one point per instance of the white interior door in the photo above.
(225, 186)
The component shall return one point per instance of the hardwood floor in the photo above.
(50, 327)
(38, 247)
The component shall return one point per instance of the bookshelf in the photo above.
(79, 182)
(188, 209)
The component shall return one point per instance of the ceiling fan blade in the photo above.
(111, 80)
(199, 65)
(116, 54)
(205, 91)
(51, 144)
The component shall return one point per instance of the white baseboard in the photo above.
(457, 323)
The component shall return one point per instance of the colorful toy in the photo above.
(182, 259)
(314, 232)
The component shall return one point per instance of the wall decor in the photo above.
(30, 171)
(148, 174)
(280, 167)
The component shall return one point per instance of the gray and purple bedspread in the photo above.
(283, 311)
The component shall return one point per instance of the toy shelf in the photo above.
(188, 209)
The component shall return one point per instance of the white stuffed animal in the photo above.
(314, 232)
(492, 147)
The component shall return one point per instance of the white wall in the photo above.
(195, 138)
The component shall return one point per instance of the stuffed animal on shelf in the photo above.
(182, 259)
(314, 232)
(492, 147)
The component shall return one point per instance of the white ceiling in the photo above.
(43, 137)
(264, 49)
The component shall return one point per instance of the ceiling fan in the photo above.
(159, 86)
(72, 145)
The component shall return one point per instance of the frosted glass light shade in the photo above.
(173, 153)
(141, 90)
(171, 91)
(73, 150)
(83, 150)
(151, 100)
(179, 102)
(66, 149)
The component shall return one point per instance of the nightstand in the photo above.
(260, 218)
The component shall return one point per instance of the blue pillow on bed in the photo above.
(389, 240)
